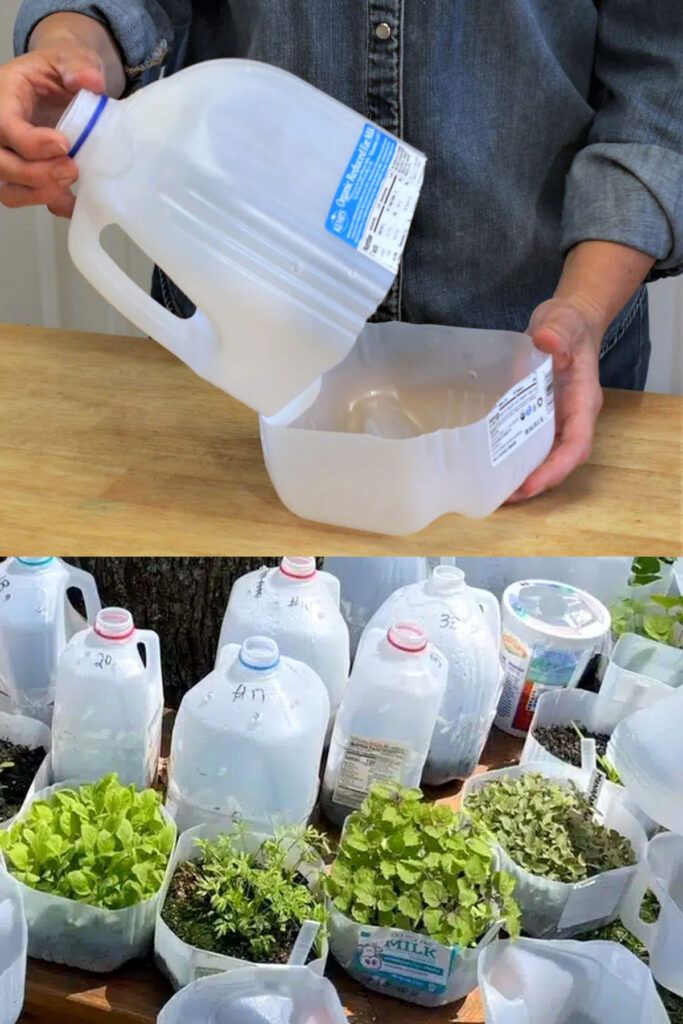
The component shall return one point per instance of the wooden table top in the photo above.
(111, 446)
(136, 993)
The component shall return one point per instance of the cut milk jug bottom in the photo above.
(417, 421)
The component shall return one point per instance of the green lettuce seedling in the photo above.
(405, 863)
(104, 844)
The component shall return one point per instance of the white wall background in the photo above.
(39, 285)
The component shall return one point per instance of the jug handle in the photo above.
(490, 608)
(81, 580)
(630, 909)
(194, 340)
(150, 641)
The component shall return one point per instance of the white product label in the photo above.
(593, 900)
(404, 961)
(520, 412)
(376, 198)
(366, 762)
(594, 787)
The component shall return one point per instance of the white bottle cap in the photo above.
(35, 561)
(407, 636)
(298, 568)
(114, 624)
(260, 653)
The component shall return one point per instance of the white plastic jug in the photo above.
(662, 873)
(248, 740)
(35, 625)
(387, 716)
(464, 623)
(367, 582)
(531, 981)
(642, 671)
(108, 704)
(257, 995)
(647, 750)
(280, 212)
(298, 606)
(13, 947)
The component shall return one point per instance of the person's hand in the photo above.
(571, 334)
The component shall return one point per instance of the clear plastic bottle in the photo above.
(108, 703)
(387, 717)
(36, 622)
(248, 740)
(298, 606)
(464, 623)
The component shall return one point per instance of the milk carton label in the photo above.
(376, 198)
(403, 961)
(367, 761)
(520, 412)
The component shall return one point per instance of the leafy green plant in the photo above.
(646, 570)
(603, 761)
(548, 829)
(657, 617)
(103, 844)
(404, 863)
(247, 905)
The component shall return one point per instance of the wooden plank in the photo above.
(136, 993)
(101, 436)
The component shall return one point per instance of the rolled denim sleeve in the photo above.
(147, 31)
(626, 184)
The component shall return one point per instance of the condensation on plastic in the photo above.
(239, 224)
(13, 946)
(65, 931)
(553, 909)
(662, 873)
(27, 732)
(183, 963)
(301, 613)
(591, 712)
(642, 671)
(108, 708)
(257, 995)
(645, 748)
(464, 623)
(36, 621)
(345, 943)
(367, 582)
(398, 434)
(247, 745)
(530, 981)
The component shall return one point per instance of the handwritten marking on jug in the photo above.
(594, 900)
(403, 961)
(520, 413)
(5, 588)
(299, 602)
(103, 660)
(374, 204)
(365, 762)
(241, 692)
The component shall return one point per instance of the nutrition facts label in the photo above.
(376, 199)
(366, 762)
(520, 412)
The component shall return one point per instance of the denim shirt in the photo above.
(545, 122)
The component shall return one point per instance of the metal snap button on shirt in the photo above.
(383, 30)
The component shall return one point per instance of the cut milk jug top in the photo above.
(281, 213)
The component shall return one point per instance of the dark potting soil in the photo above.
(564, 742)
(185, 911)
(18, 766)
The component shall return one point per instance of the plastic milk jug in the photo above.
(387, 716)
(248, 740)
(281, 213)
(35, 627)
(108, 703)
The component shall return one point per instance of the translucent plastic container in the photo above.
(182, 963)
(35, 625)
(298, 607)
(642, 671)
(108, 703)
(646, 749)
(387, 717)
(13, 946)
(418, 420)
(280, 212)
(553, 909)
(529, 981)
(464, 623)
(27, 732)
(257, 995)
(367, 582)
(551, 631)
(248, 741)
(605, 577)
